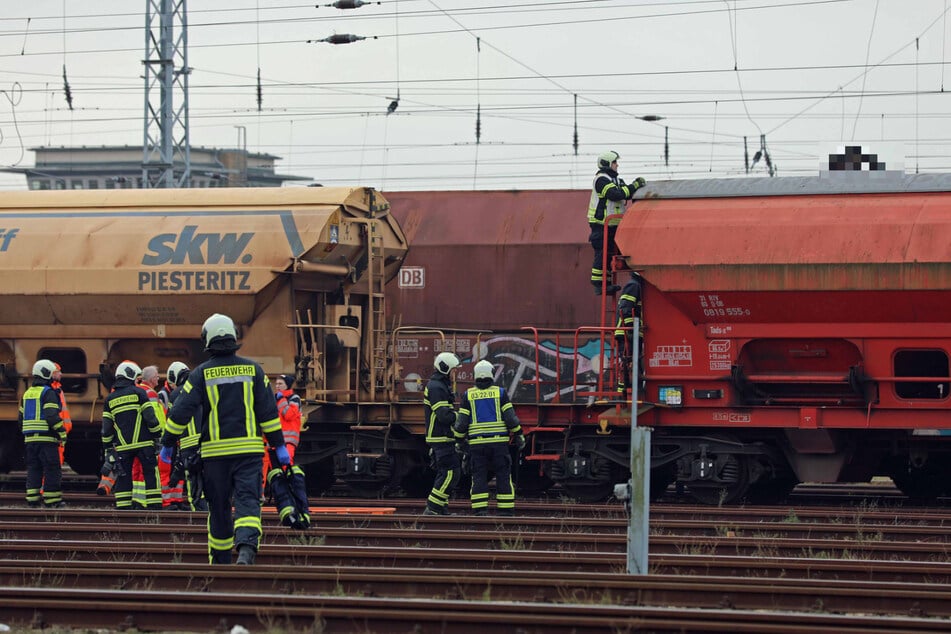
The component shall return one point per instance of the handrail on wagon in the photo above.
(602, 331)
(354, 390)
(557, 332)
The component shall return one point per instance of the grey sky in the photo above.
(802, 80)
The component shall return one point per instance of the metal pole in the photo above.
(640, 484)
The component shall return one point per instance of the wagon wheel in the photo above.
(733, 469)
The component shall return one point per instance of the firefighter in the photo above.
(288, 486)
(180, 489)
(188, 457)
(130, 428)
(173, 497)
(609, 196)
(438, 402)
(628, 307)
(486, 419)
(237, 406)
(43, 434)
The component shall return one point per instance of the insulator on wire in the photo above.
(341, 38)
(347, 4)
(478, 123)
(259, 90)
(66, 89)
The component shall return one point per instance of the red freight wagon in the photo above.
(796, 330)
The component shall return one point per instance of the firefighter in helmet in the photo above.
(609, 197)
(438, 405)
(486, 419)
(237, 406)
(130, 428)
(43, 434)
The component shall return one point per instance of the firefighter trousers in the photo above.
(238, 479)
(491, 457)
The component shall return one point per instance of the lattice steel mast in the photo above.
(166, 160)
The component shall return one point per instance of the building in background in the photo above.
(120, 167)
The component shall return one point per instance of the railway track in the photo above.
(656, 590)
(788, 570)
(766, 544)
(923, 529)
(145, 610)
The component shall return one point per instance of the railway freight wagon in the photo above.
(90, 278)
(504, 276)
(796, 330)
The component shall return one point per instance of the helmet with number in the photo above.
(446, 362)
(174, 373)
(218, 327)
(484, 370)
(606, 158)
(44, 369)
(128, 370)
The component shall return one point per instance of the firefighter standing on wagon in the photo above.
(629, 306)
(43, 434)
(486, 418)
(609, 196)
(438, 402)
(237, 407)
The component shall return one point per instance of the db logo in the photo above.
(412, 277)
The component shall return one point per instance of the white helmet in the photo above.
(218, 326)
(44, 369)
(484, 370)
(606, 158)
(445, 362)
(128, 370)
(174, 372)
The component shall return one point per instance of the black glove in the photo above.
(466, 469)
(637, 184)
(520, 441)
(462, 447)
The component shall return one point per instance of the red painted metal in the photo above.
(807, 298)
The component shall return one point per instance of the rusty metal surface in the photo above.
(494, 260)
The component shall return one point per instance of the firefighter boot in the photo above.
(245, 555)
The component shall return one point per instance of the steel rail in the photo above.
(152, 611)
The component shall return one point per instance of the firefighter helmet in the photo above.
(218, 326)
(484, 370)
(445, 362)
(44, 369)
(174, 372)
(606, 158)
(128, 370)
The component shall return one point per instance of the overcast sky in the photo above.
(807, 73)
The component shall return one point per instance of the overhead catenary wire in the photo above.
(868, 52)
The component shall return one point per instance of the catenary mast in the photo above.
(166, 160)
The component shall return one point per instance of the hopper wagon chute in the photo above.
(797, 329)
(90, 278)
